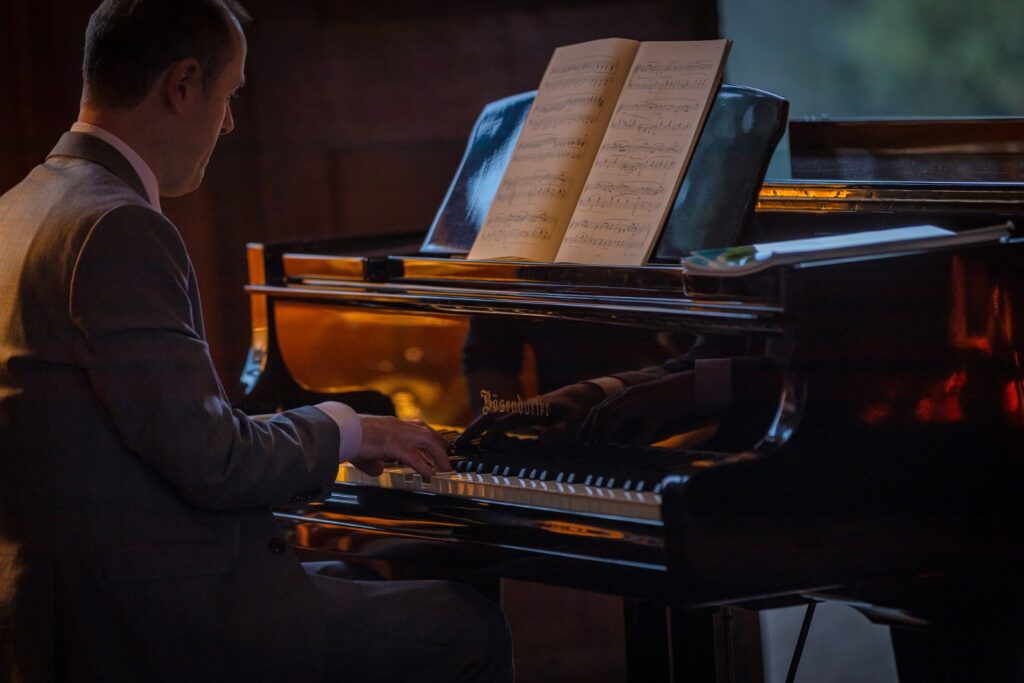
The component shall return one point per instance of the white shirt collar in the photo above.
(143, 170)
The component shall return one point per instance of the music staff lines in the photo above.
(577, 82)
(641, 188)
(550, 147)
(612, 226)
(674, 67)
(634, 197)
(632, 204)
(559, 121)
(659, 84)
(638, 157)
(519, 189)
(522, 226)
(582, 239)
(591, 64)
(661, 106)
(671, 75)
(571, 101)
(647, 126)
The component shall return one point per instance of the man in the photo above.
(136, 541)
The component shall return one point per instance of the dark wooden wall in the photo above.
(352, 123)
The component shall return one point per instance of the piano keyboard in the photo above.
(536, 493)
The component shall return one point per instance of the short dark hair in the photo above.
(129, 43)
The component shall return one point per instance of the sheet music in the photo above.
(644, 154)
(556, 148)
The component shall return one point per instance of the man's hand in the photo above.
(410, 442)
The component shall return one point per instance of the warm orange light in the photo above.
(955, 382)
(989, 308)
(942, 404)
(1013, 397)
(570, 529)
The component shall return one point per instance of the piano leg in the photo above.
(647, 641)
(690, 645)
(738, 654)
(697, 645)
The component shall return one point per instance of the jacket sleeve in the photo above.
(141, 345)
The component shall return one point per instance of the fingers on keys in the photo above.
(423, 449)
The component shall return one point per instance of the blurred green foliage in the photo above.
(881, 57)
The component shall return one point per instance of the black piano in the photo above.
(870, 450)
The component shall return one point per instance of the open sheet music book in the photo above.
(602, 152)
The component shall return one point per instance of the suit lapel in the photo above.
(83, 146)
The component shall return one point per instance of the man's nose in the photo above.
(228, 124)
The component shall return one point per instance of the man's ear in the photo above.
(183, 81)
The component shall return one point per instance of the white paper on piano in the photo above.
(644, 153)
(602, 152)
(555, 151)
(746, 259)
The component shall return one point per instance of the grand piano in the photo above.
(867, 448)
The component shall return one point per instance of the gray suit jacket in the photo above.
(136, 541)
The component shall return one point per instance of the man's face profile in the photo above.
(204, 116)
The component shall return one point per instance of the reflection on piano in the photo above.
(884, 470)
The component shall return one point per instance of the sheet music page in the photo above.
(555, 150)
(644, 154)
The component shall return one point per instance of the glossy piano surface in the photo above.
(875, 426)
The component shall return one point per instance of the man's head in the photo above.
(160, 74)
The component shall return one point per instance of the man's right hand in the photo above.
(410, 442)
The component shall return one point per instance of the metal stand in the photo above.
(794, 663)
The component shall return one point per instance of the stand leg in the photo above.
(647, 642)
(677, 645)
(695, 647)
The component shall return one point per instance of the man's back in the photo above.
(136, 538)
(100, 308)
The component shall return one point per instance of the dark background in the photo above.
(352, 122)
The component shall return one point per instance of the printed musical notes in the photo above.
(644, 154)
(520, 189)
(550, 147)
(602, 152)
(522, 227)
(555, 151)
